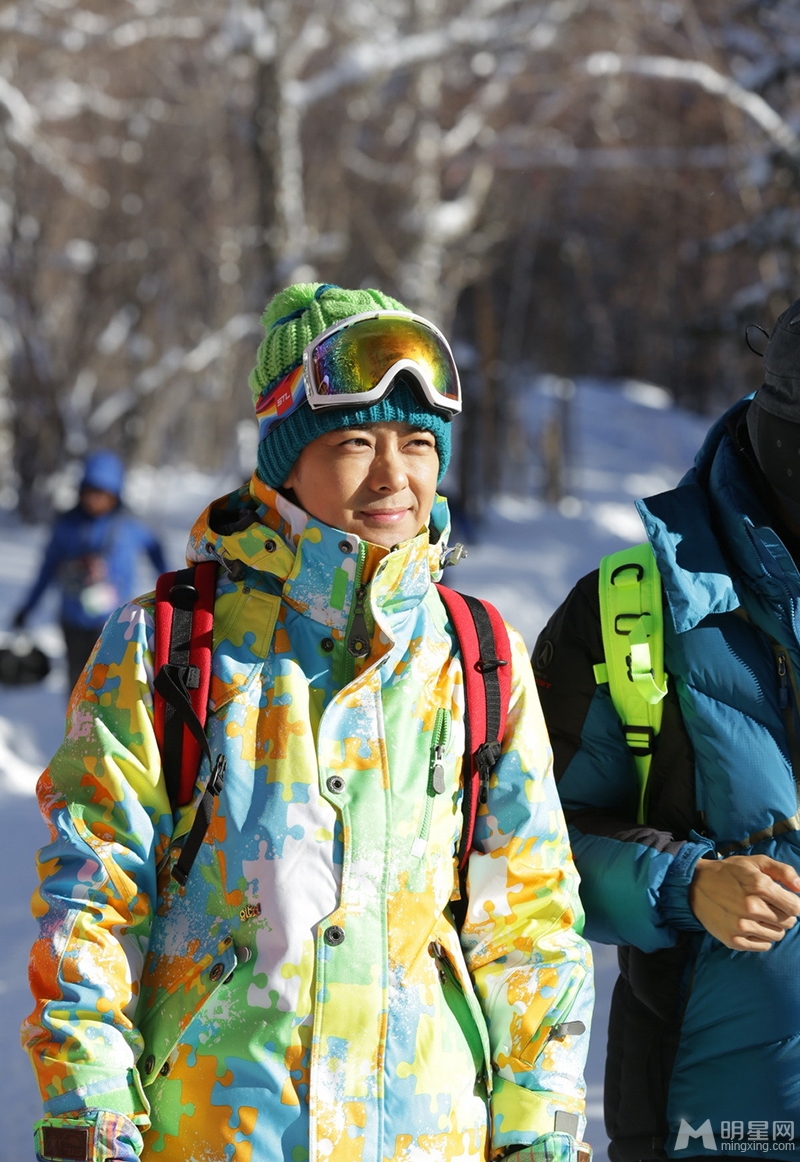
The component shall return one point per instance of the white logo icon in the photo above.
(686, 1132)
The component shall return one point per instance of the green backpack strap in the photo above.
(631, 616)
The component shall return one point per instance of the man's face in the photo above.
(96, 501)
(378, 481)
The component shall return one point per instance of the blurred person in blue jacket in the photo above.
(91, 557)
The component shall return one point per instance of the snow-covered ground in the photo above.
(625, 442)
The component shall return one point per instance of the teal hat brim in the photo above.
(279, 450)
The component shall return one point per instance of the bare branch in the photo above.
(21, 127)
(65, 99)
(565, 155)
(86, 27)
(362, 62)
(473, 118)
(455, 218)
(380, 172)
(604, 64)
(174, 360)
(158, 28)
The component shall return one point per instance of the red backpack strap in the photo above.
(486, 659)
(184, 617)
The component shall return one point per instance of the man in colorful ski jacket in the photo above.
(306, 993)
(702, 896)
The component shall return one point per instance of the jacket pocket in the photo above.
(464, 1006)
(171, 1000)
(554, 1023)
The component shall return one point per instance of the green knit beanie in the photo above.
(291, 320)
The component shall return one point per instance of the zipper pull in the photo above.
(437, 770)
(783, 684)
(566, 1029)
(358, 643)
(485, 758)
(217, 775)
(436, 951)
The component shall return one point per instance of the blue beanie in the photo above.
(291, 320)
(103, 470)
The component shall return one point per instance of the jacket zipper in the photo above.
(448, 974)
(783, 681)
(440, 739)
(786, 684)
(358, 639)
(563, 1027)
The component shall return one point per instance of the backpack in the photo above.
(22, 663)
(631, 617)
(184, 622)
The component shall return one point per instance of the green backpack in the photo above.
(631, 616)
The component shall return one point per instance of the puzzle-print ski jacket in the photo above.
(306, 994)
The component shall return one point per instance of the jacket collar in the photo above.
(712, 532)
(316, 568)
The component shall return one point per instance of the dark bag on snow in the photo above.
(22, 663)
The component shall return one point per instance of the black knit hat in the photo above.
(773, 419)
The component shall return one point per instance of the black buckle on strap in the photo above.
(183, 595)
(641, 750)
(489, 665)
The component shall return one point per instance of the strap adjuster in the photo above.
(489, 665)
(634, 733)
(183, 595)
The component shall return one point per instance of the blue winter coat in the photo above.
(697, 1032)
(93, 562)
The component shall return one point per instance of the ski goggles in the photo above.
(355, 362)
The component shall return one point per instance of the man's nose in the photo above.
(388, 471)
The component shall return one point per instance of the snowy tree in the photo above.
(582, 184)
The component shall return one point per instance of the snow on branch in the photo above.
(65, 99)
(604, 64)
(380, 172)
(21, 126)
(453, 219)
(174, 360)
(23, 118)
(367, 60)
(84, 26)
(510, 155)
(779, 226)
(474, 119)
(158, 28)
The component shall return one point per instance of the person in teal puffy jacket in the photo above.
(702, 895)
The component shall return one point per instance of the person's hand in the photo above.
(19, 619)
(746, 901)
